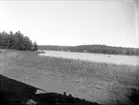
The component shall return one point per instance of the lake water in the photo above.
(117, 59)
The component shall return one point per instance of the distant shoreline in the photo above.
(93, 57)
(100, 49)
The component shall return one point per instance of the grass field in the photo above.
(99, 82)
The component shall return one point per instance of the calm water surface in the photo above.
(117, 59)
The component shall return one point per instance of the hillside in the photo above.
(93, 49)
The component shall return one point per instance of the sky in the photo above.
(78, 22)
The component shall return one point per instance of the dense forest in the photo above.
(16, 41)
(93, 49)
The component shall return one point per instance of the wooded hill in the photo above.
(93, 49)
(16, 41)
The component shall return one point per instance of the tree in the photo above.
(16, 41)
(34, 46)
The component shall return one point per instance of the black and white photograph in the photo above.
(69, 52)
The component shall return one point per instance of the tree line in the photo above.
(16, 41)
(94, 49)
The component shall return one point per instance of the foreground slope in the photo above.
(97, 82)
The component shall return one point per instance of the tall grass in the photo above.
(121, 82)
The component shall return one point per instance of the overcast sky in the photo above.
(109, 22)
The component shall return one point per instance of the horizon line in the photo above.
(88, 45)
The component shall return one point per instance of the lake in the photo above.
(107, 58)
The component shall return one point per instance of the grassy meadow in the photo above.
(103, 83)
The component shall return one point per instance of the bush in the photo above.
(134, 96)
